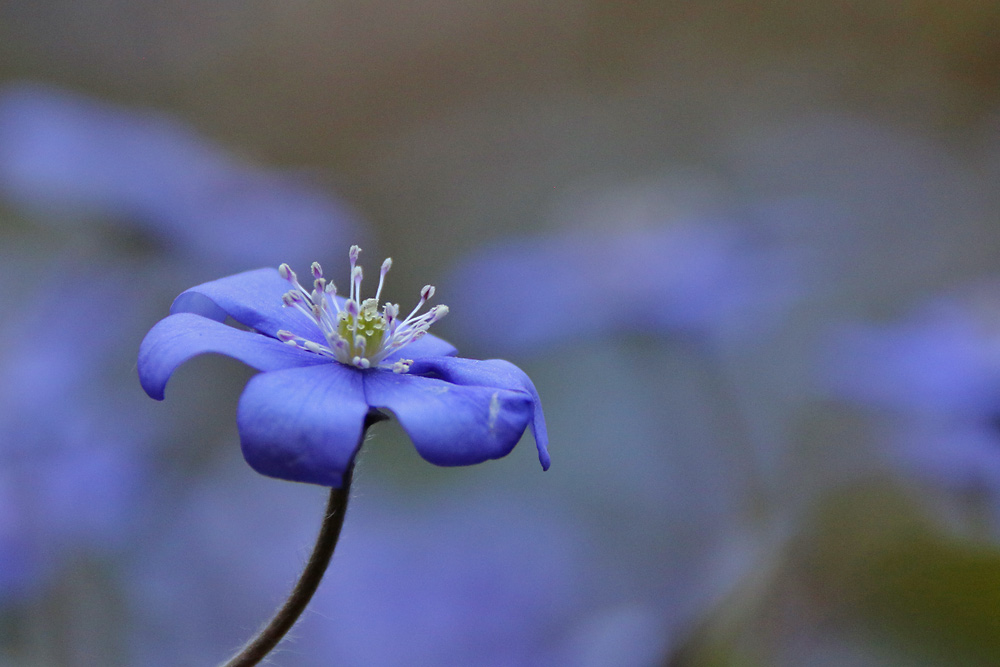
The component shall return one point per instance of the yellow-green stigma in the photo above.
(369, 324)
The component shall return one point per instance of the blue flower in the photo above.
(71, 486)
(75, 159)
(933, 381)
(706, 279)
(465, 574)
(328, 361)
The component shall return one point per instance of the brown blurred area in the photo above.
(446, 122)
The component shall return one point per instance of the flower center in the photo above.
(356, 332)
(369, 324)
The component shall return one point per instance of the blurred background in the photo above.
(748, 254)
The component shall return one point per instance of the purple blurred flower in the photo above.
(461, 576)
(937, 376)
(710, 279)
(472, 577)
(70, 157)
(73, 467)
(328, 361)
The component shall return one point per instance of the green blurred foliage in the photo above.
(872, 573)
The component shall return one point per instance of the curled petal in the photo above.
(177, 338)
(198, 304)
(303, 424)
(252, 298)
(495, 373)
(451, 424)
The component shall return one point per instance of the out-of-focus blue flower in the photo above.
(936, 375)
(302, 419)
(463, 576)
(221, 559)
(476, 577)
(67, 157)
(73, 467)
(705, 278)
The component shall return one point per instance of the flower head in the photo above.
(73, 159)
(328, 361)
(710, 279)
(77, 484)
(932, 381)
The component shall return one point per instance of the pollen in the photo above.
(356, 331)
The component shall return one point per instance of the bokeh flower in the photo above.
(328, 362)
(708, 279)
(469, 573)
(934, 378)
(75, 456)
(70, 159)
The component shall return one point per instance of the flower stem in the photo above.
(312, 574)
(329, 532)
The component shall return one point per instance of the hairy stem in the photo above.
(312, 574)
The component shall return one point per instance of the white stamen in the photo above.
(386, 265)
(357, 275)
(356, 333)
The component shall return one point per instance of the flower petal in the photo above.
(495, 373)
(451, 424)
(252, 298)
(427, 345)
(199, 304)
(303, 424)
(177, 338)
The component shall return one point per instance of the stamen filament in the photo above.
(356, 333)
(386, 265)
